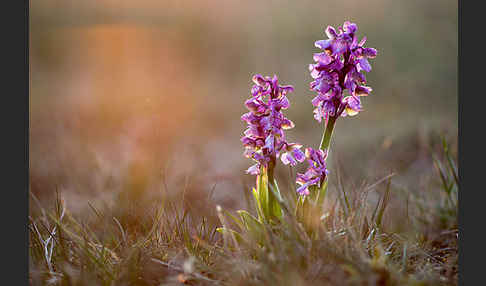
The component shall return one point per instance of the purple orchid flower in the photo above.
(316, 172)
(292, 154)
(264, 138)
(337, 69)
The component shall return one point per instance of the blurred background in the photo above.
(132, 97)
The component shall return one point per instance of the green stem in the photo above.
(326, 137)
(273, 205)
(271, 178)
(325, 144)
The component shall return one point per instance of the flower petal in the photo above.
(298, 155)
(369, 52)
(303, 190)
(362, 42)
(362, 90)
(287, 124)
(349, 27)
(323, 44)
(288, 159)
(254, 170)
(259, 80)
(351, 112)
(323, 58)
(331, 32)
(363, 64)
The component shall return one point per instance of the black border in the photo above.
(471, 174)
(15, 133)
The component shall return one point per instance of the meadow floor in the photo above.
(373, 234)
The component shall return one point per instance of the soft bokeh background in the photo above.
(144, 96)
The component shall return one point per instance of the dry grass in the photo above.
(402, 238)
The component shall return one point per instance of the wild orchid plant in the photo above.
(339, 84)
(337, 70)
(265, 139)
